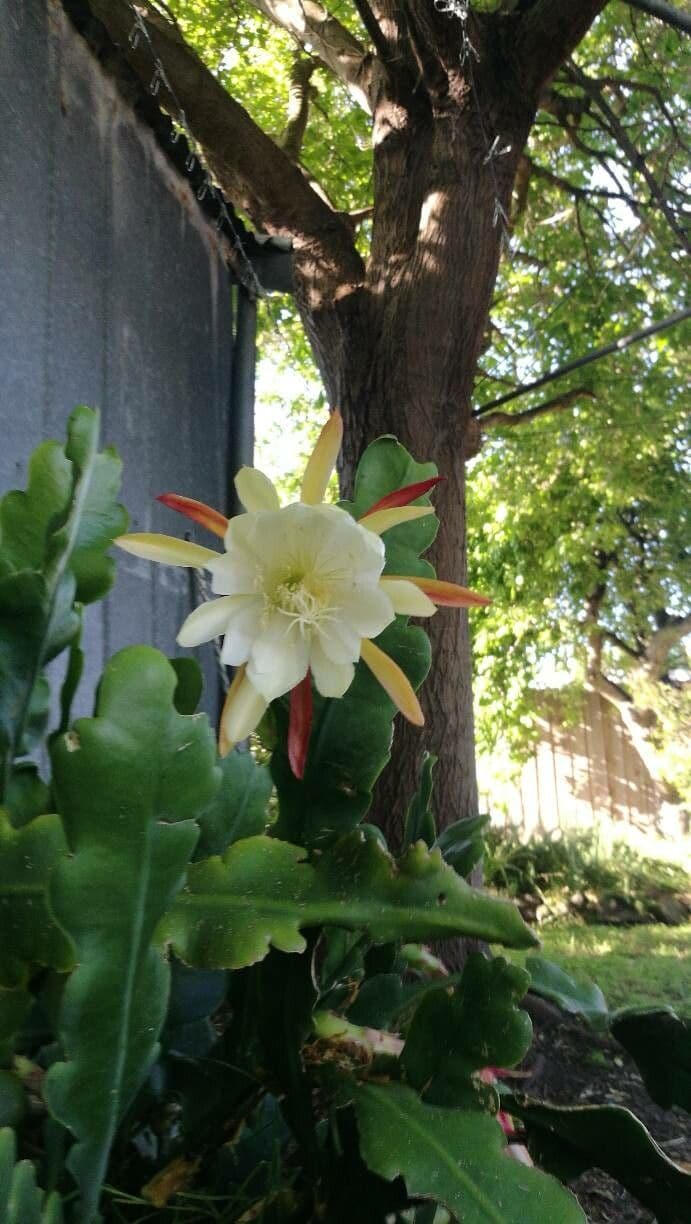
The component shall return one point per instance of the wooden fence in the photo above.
(580, 775)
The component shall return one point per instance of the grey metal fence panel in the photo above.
(114, 293)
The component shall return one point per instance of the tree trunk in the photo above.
(398, 355)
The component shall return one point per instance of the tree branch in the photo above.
(253, 171)
(634, 156)
(377, 35)
(620, 644)
(314, 27)
(299, 91)
(674, 629)
(582, 193)
(546, 35)
(558, 404)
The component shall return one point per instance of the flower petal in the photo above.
(382, 520)
(339, 641)
(242, 710)
(405, 495)
(198, 511)
(331, 679)
(166, 549)
(322, 461)
(208, 621)
(256, 491)
(279, 658)
(394, 682)
(366, 609)
(232, 575)
(299, 725)
(448, 594)
(241, 630)
(407, 599)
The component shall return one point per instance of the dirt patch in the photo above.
(569, 1064)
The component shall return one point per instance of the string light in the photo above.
(247, 275)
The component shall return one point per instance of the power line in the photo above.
(664, 12)
(617, 346)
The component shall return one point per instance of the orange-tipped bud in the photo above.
(198, 511)
(447, 594)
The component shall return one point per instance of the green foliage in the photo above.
(128, 783)
(584, 999)
(419, 823)
(646, 966)
(53, 540)
(21, 1201)
(569, 1140)
(239, 807)
(454, 1158)
(342, 765)
(262, 892)
(31, 937)
(187, 993)
(454, 1034)
(553, 867)
(660, 1044)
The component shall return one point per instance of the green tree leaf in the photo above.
(552, 982)
(570, 1140)
(456, 1033)
(30, 935)
(21, 1201)
(128, 783)
(263, 892)
(455, 1158)
(660, 1044)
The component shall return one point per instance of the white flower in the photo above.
(301, 593)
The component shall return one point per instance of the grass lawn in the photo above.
(633, 966)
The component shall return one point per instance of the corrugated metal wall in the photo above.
(583, 772)
(113, 293)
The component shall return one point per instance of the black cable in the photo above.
(616, 346)
(664, 12)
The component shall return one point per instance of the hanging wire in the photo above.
(247, 275)
(615, 346)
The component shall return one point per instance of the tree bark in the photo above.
(399, 354)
